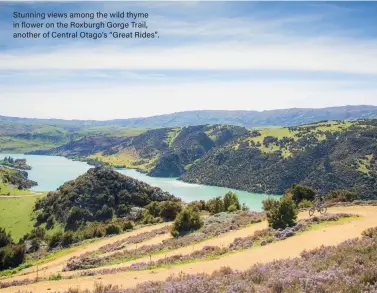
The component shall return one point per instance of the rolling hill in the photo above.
(325, 156)
(98, 195)
(283, 117)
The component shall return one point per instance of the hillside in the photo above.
(325, 156)
(81, 147)
(98, 195)
(14, 180)
(15, 163)
(283, 117)
(165, 152)
(19, 136)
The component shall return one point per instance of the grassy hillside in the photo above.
(325, 156)
(20, 137)
(16, 214)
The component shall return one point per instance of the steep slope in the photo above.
(168, 152)
(325, 156)
(97, 195)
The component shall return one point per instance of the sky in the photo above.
(209, 56)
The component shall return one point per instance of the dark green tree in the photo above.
(231, 199)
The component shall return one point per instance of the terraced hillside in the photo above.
(238, 248)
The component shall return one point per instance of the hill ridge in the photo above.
(250, 118)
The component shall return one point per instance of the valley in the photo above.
(118, 206)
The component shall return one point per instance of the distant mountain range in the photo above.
(283, 117)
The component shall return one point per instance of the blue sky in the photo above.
(210, 55)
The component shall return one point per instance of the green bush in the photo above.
(342, 195)
(215, 205)
(232, 208)
(112, 229)
(55, 240)
(150, 219)
(301, 192)
(186, 221)
(198, 205)
(231, 199)
(170, 209)
(280, 214)
(55, 277)
(128, 225)
(68, 239)
(106, 213)
(305, 204)
(11, 256)
(165, 209)
(123, 210)
(35, 245)
(269, 204)
(5, 238)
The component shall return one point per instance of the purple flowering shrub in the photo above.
(370, 232)
(120, 244)
(262, 237)
(350, 267)
(213, 226)
(324, 259)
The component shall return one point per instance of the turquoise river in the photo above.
(52, 171)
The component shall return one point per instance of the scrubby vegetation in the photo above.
(168, 152)
(15, 163)
(212, 226)
(12, 179)
(259, 238)
(11, 254)
(326, 156)
(342, 196)
(347, 267)
(280, 213)
(186, 221)
(100, 195)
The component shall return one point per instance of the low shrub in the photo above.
(68, 239)
(128, 225)
(112, 229)
(280, 214)
(342, 195)
(370, 232)
(55, 240)
(186, 221)
(55, 277)
(305, 204)
(11, 256)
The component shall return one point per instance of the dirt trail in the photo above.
(57, 265)
(20, 195)
(291, 247)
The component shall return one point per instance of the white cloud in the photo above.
(108, 101)
(312, 56)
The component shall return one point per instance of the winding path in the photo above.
(290, 247)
